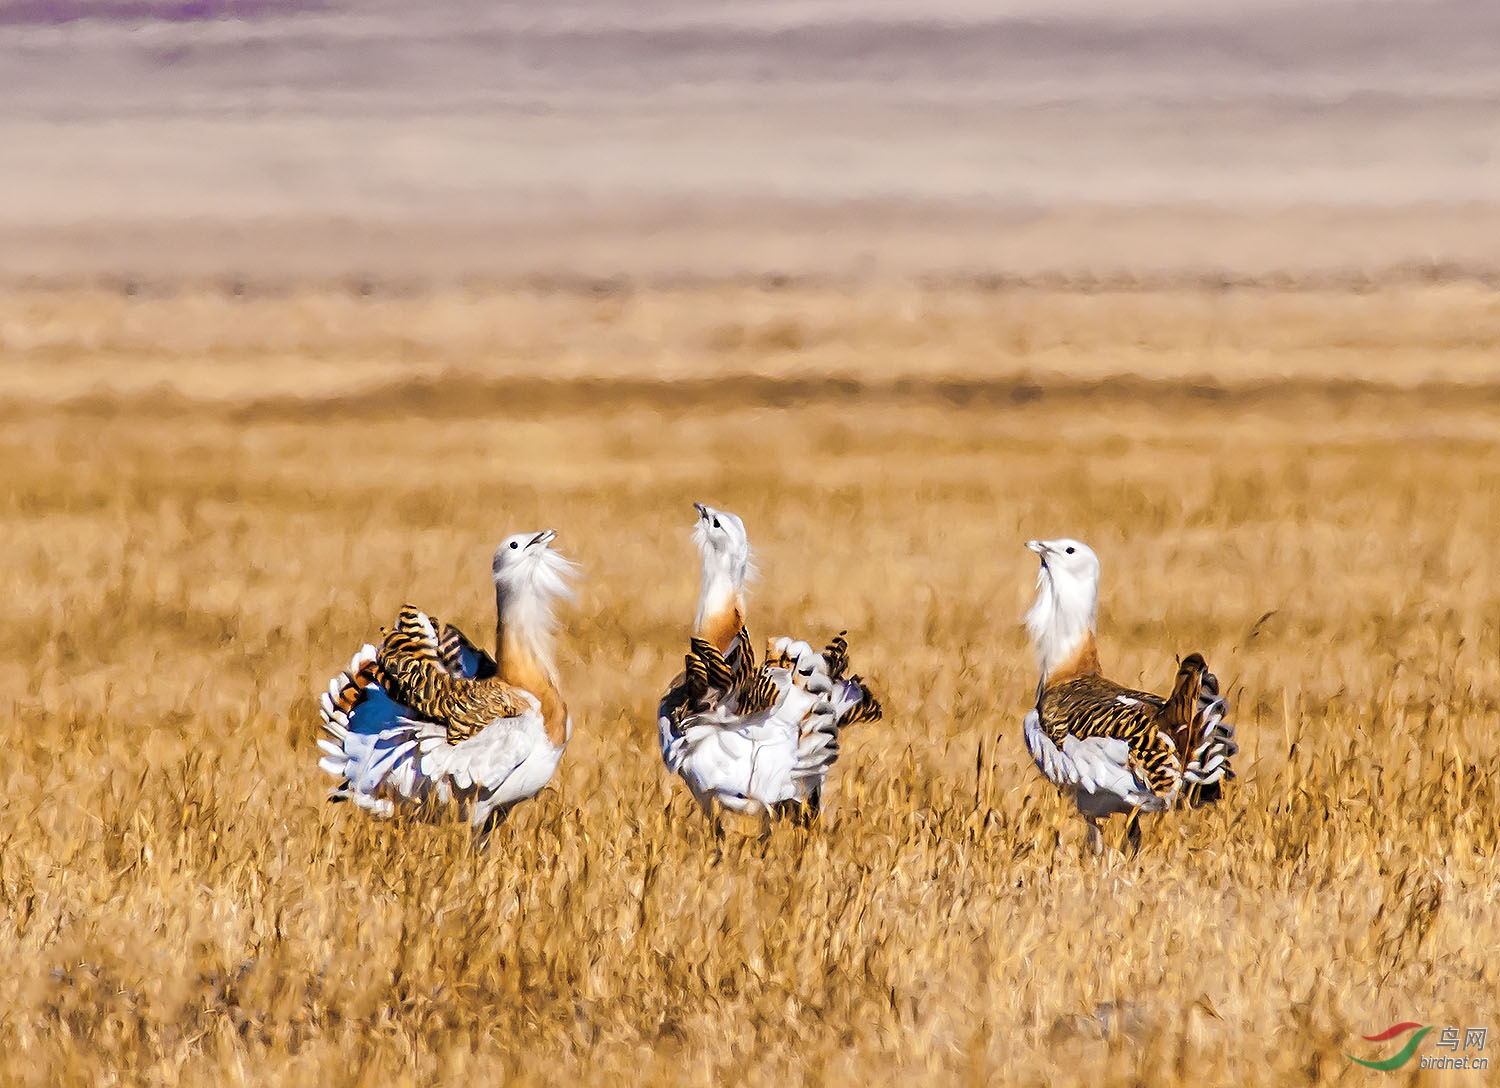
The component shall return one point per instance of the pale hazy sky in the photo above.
(392, 108)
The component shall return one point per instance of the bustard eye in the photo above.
(716, 523)
(1070, 549)
(514, 545)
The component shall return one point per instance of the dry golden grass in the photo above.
(184, 572)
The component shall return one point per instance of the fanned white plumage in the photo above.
(809, 671)
(781, 750)
(1208, 762)
(385, 755)
(752, 763)
(809, 667)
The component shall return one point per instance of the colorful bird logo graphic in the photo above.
(1402, 1056)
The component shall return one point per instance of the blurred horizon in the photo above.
(823, 137)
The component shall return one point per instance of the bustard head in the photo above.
(530, 578)
(724, 546)
(1061, 621)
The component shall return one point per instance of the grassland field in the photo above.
(208, 502)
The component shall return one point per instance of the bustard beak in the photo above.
(702, 510)
(546, 536)
(1037, 546)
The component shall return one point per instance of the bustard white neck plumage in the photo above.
(751, 738)
(1063, 620)
(1114, 749)
(428, 718)
(530, 580)
(724, 548)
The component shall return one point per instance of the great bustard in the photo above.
(429, 718)
(753, 738)
(1115, 750)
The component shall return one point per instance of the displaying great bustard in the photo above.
(753, 738)
(429, 719)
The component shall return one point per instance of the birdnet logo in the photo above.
(1448, 1038)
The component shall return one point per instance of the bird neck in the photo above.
(524, 629)
(1062, 624)
(721, 608)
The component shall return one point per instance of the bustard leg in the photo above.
(1096, 838)
(716, 825)
(799, 813)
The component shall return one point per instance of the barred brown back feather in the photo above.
(719, 675)
(710, 677)
(453, 645)
(1181, 712)
(694, 681)
(741, 657)
(353, 688)
(761, 694)
(868, 708)
(1091, 706)
(1163, 734)
(1203, 714)
(837, 656)
(413, 638)
(416, 676)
